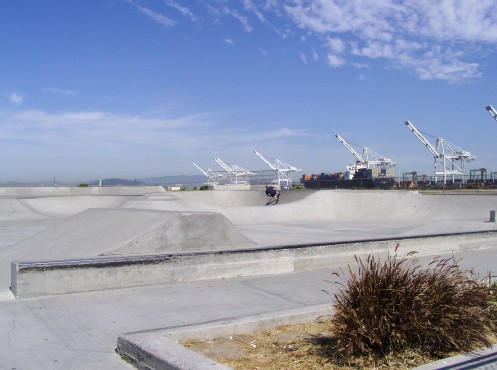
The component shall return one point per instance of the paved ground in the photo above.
(79, 331)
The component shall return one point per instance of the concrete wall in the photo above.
(39, 278)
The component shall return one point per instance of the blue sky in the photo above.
(140, 88)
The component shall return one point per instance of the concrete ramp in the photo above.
(65, 206)
(247, 207)
(97, 232)
(55, 191)
(187, 231)
(238, 198)
(14, 210)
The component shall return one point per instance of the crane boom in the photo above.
(265, 160)
(282, 171)
(347, 145)
(492, 111)
(421, 138)
(223, 165)
(201, 170)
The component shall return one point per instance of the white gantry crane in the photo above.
(446, 155)
(213, 177)
(238, 175)
(282, 170)
(492, 111)
(368, 159)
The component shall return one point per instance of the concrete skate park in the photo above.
(86, 268)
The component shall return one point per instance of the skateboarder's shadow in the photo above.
(272, 201)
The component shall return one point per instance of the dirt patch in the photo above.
(296, 347)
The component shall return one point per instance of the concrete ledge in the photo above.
(40, 278)
(158, 349)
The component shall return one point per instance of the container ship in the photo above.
(363, 178)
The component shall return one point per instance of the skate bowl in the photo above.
(153, 237)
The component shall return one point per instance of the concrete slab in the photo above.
(79, 331)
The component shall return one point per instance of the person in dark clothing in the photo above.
(272, 192)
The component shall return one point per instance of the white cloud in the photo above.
(303, 58)
(53, 90)
(419, 36)
(229, 41)
(250, 6)
(315, 56)
(96, 131)
(242, 19)
(335, 61)
(15, 98)
(287, 132)
(336, 45)
(182, 9)
(157, 17)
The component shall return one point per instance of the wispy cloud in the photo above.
(15, 98)
(286, 132)
(95, 129)
(239, 17)
(187, 12)
(421, 37)
(435, 41)
(303, 58)
(229, 41)
(53, 90)
(157, 17)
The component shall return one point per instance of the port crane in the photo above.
(368, 159)
(282, 171)
(238, 175)
(492, 111)
(213, 177)
(445, 154)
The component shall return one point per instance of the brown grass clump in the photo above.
(396, 306)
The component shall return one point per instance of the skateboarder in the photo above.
(273, 193)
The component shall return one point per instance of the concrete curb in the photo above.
(481, 359)
(159, 349)
(41, 278)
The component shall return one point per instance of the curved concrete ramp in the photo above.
(65, 206)
(97, 232)
(14, 210)
(55, 191)
(246, 207)
(339, 215)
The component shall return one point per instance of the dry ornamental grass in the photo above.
(391, 314)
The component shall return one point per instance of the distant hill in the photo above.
(186, 180)
(116, 182)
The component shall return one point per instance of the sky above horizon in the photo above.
(95, 89)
